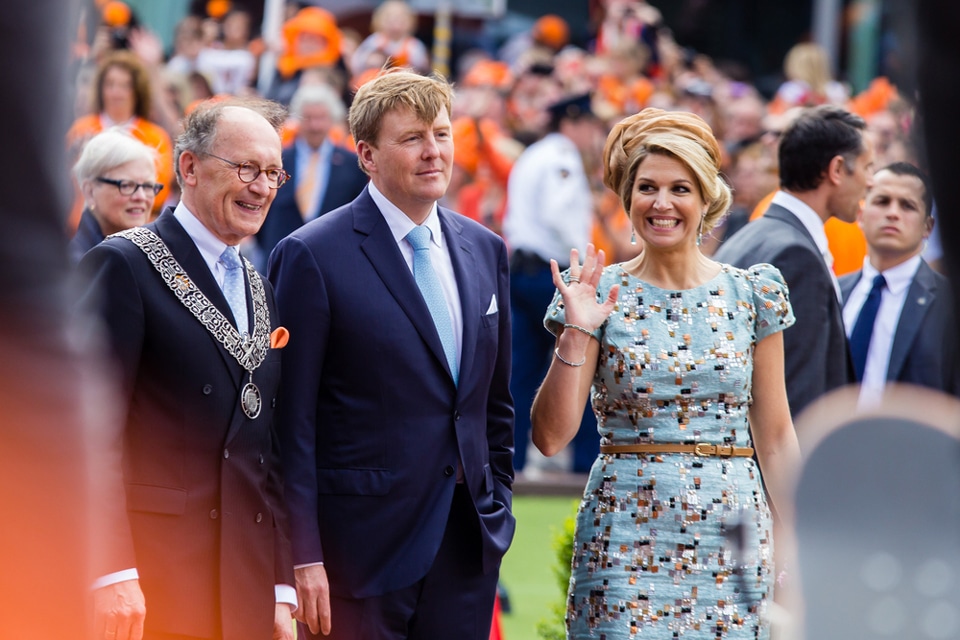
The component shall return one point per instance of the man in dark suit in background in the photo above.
(825, 166)
(897, 310)
(205, 546)
(396, 420)
(325, 176)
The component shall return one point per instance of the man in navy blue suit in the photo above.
(395, 414)
(325, 175)
(911, 338)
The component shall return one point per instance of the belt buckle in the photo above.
(703, 449)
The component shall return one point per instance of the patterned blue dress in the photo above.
(676, 545)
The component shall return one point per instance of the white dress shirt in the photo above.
(210, 249)
(814, 225)
(549, 201)
(892, 297)
(400, 225)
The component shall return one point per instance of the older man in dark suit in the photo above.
(191, 327)
(897, 310)
(325, 176)
(396, 420)
(825, 166)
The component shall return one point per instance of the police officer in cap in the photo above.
(549, 211)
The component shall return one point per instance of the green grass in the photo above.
(528, 568)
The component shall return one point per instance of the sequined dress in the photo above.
(676, 545)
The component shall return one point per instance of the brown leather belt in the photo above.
(702, 449)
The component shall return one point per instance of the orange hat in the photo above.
(551, 30)
(313, 21)
(874, 98)
(488, 73)
(116, 14)
(216, 9)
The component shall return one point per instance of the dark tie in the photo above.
(234, 288)
(863, 327)
(430, 287)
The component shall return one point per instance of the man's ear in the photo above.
(836, 170)
(187, 163)
(928, 226)
(365, 153)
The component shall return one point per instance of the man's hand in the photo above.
(118, 611)
(313, 593)
(282, 622)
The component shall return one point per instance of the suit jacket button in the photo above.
(448, 470)
(456, 415)
(226, 453)
(259, 517)
(207, 389)
(213, 514)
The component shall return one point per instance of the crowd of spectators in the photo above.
(503, 98)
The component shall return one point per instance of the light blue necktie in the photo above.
(234, 287)
(429, 283)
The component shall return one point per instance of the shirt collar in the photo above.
(807, 216)
(400, 224)
(304, 150)
(898, 278)
(209, 245)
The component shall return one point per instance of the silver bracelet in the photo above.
(556, 352)
(578, 328)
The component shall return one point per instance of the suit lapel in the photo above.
(382, 251)
(920, 297)
(465, 270)
(847, 284)
(186, 253)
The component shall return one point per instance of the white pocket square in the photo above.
(493, 305)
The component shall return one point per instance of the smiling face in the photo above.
(666, 204)
(231, 209)
(411, 160)
(113, 211)
(894, 218)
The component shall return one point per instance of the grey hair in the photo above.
(318, 94)
(110, 149)
(200, 128)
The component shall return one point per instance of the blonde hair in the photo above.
(808, 62)
(397, 89)
(679, 134)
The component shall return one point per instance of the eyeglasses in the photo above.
(248, 172)
(129, 187)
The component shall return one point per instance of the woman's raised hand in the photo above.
(580, 295)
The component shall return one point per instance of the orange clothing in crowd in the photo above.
(146, 132)
(625, 98)
(848, 246)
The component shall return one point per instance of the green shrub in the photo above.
(554, 628)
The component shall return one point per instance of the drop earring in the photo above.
(700, 232)
(633, 236)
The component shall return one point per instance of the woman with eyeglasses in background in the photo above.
(117, 175)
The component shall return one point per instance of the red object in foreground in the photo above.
(495, 625)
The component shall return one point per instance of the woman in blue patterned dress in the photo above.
(683, 358)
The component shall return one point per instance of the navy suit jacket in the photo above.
(924, 344)
(371, 422)
(345, 182)
(205, 526)
(816, 359)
